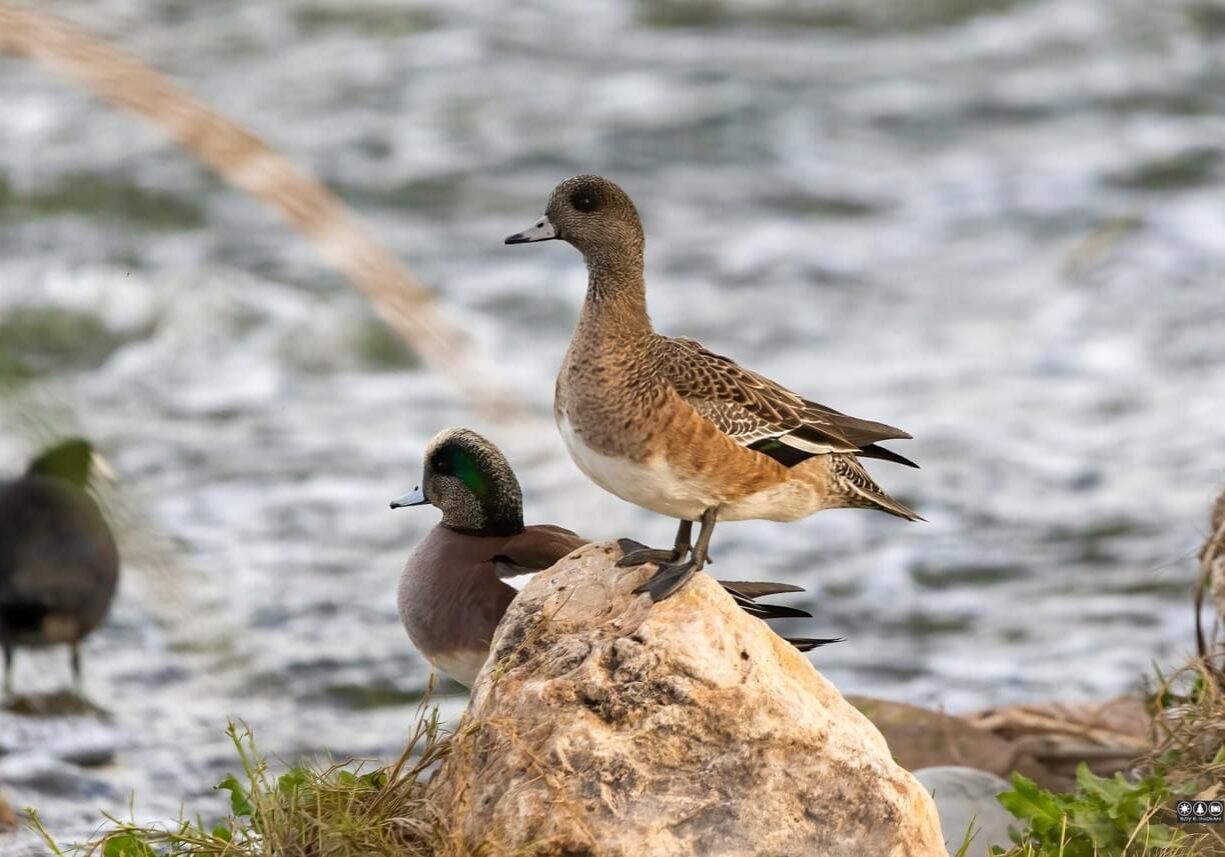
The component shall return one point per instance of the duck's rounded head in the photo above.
(595, 216)
(471, 482)
(70, 460)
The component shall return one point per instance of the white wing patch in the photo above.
(808, 445)
(514, 576)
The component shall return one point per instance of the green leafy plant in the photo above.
(1104, 816)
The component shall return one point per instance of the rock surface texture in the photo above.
(604, 724)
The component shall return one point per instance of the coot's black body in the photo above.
(58, 561)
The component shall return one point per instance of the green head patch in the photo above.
(454, 460)
(467, 469)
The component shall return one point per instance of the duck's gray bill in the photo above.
(416, 497)
(542, 231)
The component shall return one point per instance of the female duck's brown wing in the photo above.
(538, 547)
(763, 415)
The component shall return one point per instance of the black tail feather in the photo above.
(807, 644)
(790, 456)
(744, 591)
(770, 611)
(758, 589)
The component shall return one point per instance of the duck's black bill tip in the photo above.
(542, 230)
(525, 238)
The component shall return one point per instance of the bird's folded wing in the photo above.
(538, 547)
(759, 413)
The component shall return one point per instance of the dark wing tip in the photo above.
(807, 644)
(768, 611)
(758, 588)
(873, 450)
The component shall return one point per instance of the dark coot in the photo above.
(58, 561)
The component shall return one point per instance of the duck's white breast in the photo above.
(651, 484)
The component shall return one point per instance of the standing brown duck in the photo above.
(672, 427)
(58, 560)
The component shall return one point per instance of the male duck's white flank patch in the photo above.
(463, 665)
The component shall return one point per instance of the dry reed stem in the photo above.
(246, 162)
(1212, 551)
(1192, 727)
(1188, 742)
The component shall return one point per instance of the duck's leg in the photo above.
(636, 553)
(701, 552)
(672, 576)
(8, 670)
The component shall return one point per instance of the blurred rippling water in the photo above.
(996, 224)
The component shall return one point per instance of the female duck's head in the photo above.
(596, 217)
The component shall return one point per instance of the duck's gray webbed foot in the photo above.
(669, 578)
(636, 553)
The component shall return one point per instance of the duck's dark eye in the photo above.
(442, 465)
(584, 202)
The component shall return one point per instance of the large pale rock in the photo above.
(604, 724)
